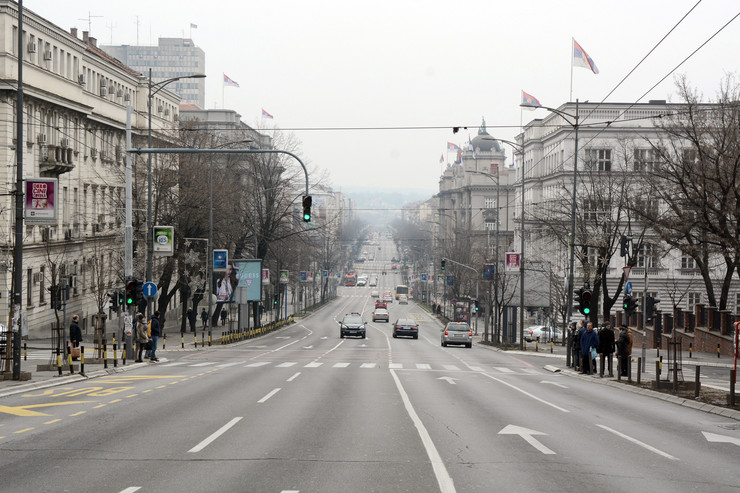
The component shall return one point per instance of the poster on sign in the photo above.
(265, 276)
(41, 201)
(513, 260)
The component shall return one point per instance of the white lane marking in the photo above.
(340, 365)
(525, 393)
(555, 384)
(224, 365)
(449, 380)
(440, 471)
(215, 435)
(526, 433)
(255, 365)
(207, 363)
(395, 366)
(291, 491)
(476, 368)
(503, 369)
(423, 366)
(313, 364)
(287, 364)
(293, 377)
(176, 363)
(531, 371)
(270, 394)
(714, 437)
(638, 442)
(368, 365)
(451, 367)
(131, 489)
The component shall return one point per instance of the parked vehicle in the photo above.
(542, 333)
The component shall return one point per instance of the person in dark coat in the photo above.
(204, 317)
(156, 332)
(623, 350)
(589, 339)
(75, 334)
(577, 353)
(606, 348)
(192, 318)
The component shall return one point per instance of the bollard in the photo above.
(123, 355)
(203, 339)
(59, 362)
(697, 381)
(25, 352)
(69, 358)
(657, 351)
(164, 340)
(717, 350)
(195, 339)
(629, 369)
(733, 376)
(209, 337)
(657, 375)
(115, 353)
(182, 340)
(82, 360)
(691, 348)
(675, 377)
(551, 347)
(536, 346)
(639, 369)
(105, 354)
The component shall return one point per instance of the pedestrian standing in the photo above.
(75, 334)
(224, 314)
(572, 344)
(141, 337)
(577, 353)
(606, 348)
(192, 318)
(589, 341)
(204, 317)
(155, 335)
(623, 351)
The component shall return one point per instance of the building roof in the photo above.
(484, 142)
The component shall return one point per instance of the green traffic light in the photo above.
(586, 311)
(307, 217)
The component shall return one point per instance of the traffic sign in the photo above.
(628, 287)
(149, 289)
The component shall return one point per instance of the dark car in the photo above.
(352, 325)
(406, 327)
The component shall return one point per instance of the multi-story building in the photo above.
(75, 100)
(616, 143)
(171, 57)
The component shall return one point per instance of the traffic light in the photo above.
(113, 296)
(307, 208)
(578, 298)
(586, 300)
(624, 249)
(477, 306)
(130, 292)
(121, 294)
(139, 293)
(275, 299)
(629, 305)
(650, 303)
(443, 264)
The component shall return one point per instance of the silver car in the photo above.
(457, 333)
(380, 314)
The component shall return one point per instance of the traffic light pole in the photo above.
(477, 275)
(644, 319)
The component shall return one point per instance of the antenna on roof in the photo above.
(89, 21)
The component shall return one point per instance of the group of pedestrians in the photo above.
(586, 344)
(147, 336)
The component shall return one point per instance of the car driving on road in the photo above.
(406, 327)
(352, 325)
(380, 314)
(457, 333)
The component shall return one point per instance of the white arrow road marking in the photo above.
(215, 435)
(449, 380)
(555, 384)
(307, 347)
(713, 437)
(638, 442)
(526, 433)
(324, 338)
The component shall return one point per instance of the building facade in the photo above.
(171, 57)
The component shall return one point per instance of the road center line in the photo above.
(293, 377)
(272, 392)
(638, 442)
(440, 471)
(131, 489)
(526, 393)
(215, 435)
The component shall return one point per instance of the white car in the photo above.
(403, 299)
(375, 293)
(542, 333)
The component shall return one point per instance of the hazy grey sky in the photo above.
(398, 63)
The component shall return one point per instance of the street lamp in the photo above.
(153, 90)
(574, 124)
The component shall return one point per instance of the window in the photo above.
(490, 225)
(693, 299)
(646, 256)
(646, 160)
(687, 262)
(596, 209)
(737, 303)
(489, 203)
(42, 284)
(599, 159)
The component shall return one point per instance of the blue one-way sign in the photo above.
(149, 289)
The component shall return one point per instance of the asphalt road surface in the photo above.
(301, 410)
